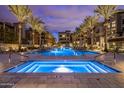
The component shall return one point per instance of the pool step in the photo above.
(99, 69)
(32, 68)
(25, 68)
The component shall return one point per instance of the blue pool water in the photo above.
(62, 66)
(63, 52)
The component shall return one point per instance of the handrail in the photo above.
(99, 55)
(10, 56)
(114, 56)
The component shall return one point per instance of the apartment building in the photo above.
(98, 36)
(47, 39)
(65, 38)
(116, 31)
(8, 33)
(78, 40)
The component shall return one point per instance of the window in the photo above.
(113, 22)
(60, 35)
(109, 26)
(123, 29)
(122, 21)
(63, 36)
(113, 25)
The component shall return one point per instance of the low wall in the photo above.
(5, 47)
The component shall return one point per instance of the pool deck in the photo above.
(61, 80)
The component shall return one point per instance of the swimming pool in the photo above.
(62, 66)
(63, 52)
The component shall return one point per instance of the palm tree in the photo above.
(90, 22)
(51, 39)
(33, 22)
(106, 11)
(84, 30)
(21, 12)
(76, 36)
(40, 29)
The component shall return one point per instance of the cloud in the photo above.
(65, 11)
(63, 17)
(6, 15)
(62, 24)
(56, 17)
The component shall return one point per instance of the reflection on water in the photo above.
(63, 52)
(62, 69)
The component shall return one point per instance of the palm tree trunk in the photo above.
(92, 39)
(84, 42)
(105, 38)
(4, 32)
(33, 37)
(20, 36)
(39, 39)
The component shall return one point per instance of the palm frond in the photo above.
(22, 12)
(106, 10)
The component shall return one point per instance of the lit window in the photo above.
(63, 35)
(113, 22)
(113, 25)
(108, 26)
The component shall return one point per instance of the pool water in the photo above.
(63, 52)
(62, 66)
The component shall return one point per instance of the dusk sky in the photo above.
(57, 18)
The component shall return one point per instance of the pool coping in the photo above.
(95, 53)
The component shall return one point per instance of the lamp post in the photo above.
(114, 54)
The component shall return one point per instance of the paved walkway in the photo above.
(62, 80)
